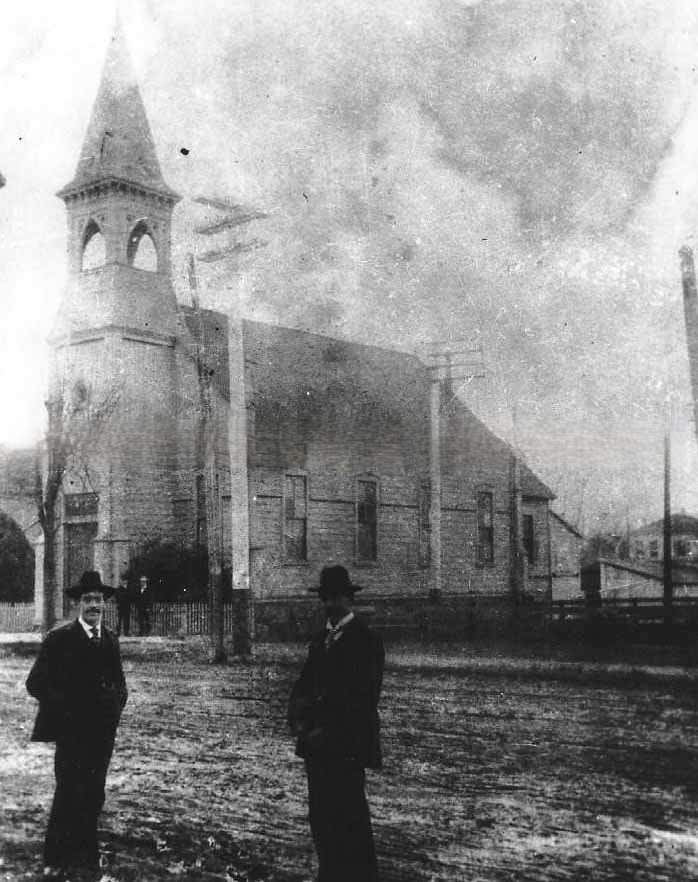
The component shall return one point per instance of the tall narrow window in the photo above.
(367, 519)
(529, 539)
(201, 531)
(295, 518)
(485, 531)
(140, 251)
(94, 251)
(424, 523)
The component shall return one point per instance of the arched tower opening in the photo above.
(94, 249)
(141, 252)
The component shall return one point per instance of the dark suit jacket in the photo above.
(80, 687)
(337, 693)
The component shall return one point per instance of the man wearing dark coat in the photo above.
(333, 710)
(79, 682)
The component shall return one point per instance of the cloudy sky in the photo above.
(516, 174)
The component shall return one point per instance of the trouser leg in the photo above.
(81, 768)
(99, 755)
(58, 844)
(340, 822)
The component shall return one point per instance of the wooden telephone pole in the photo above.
(210, 480)
(232, 216)
(668, 578)
(441, 364)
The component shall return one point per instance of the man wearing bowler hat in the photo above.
(333, 711)
(79, 682)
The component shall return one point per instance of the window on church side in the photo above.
(295, 518)
(201, 523)
(529, 539)
(485, 527)
(425, 523)
(94, 251)
(367, 520)
(140, 252)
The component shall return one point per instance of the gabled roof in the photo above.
(681, 574)
(680, 523)
(118, 145)
(566, 524)
(307, 373)
(468, 440)
(287, 366)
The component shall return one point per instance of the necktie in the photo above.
(95, 635)
(333, 634)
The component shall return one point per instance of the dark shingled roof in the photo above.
(680, 523)
(286, 366)
(118, 144)
(566, 524)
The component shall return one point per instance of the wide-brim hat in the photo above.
(335, 580)
(90, 581)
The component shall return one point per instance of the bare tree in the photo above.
(73, 428)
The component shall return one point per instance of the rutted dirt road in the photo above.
(492, 772)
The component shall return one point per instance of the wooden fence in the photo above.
(640, 609)
(166, 619)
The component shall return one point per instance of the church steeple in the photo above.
(119, 212)
(118, 145)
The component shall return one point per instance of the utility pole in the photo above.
(668, 583)
(233, 216)
(518, 563)
(207, 467)
(435, 487)
(441, 394)
(690, 307)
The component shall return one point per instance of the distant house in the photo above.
(620, 580)
(565, 552)
(647, 543)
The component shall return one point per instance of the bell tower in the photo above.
(115, 334)
(119, 212)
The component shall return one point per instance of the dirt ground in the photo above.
(495, 769)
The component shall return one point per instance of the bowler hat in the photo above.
(335, 580)
(90, 581)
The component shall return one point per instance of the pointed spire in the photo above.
(118, 144)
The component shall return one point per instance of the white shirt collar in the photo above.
(88, 628)
(341, 623)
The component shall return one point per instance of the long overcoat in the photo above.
(334, 704)
(80, 687)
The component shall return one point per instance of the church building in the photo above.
(322, 450)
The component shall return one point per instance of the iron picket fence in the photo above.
(165, 619)
(16, 618)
